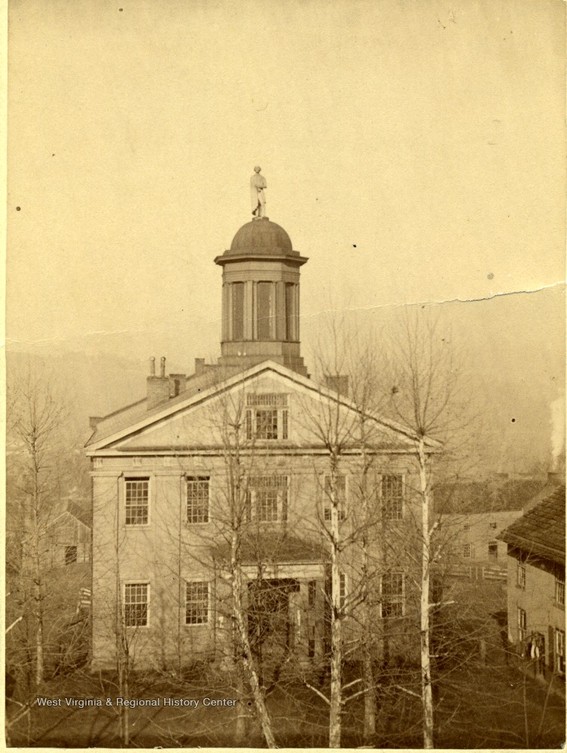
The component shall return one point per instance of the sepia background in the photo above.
(413, 151)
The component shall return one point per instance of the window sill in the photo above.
(266, 522)
(266, 442)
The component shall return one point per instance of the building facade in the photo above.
(475, 535)
(238, 466)
(536, 584)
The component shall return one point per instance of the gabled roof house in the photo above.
(536, 583)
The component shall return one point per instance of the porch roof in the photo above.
(274, 548)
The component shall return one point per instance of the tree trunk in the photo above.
(37, 579)
(370, 695)
(336, 684)
(124, 718)
(369, 727)
(241, 712)
(246, 657)
(122, 649)
(336, 624)
(39, 671)
(425, 631)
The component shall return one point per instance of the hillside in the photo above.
(512, 348)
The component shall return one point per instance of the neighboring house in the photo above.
(68, 538)
(474, 514)
(241, 444)
(536, 583)
(476, 536)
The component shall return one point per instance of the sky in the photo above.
(414, 151)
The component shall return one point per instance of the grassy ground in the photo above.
(477, 707)
(483, 700)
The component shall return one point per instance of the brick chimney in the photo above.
(177, 384)
(158, 388)
(337, 383)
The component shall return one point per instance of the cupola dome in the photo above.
(260, 238)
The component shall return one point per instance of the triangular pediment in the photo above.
(200, 421)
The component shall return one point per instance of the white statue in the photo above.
(257, 195)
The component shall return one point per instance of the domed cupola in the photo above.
(260, 305)
(260, 239)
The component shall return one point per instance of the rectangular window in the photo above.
(267, 498)
(70, 555)
(136, 604)
(493, 550)
(392, 489)
(392, 594)
(267, 504)
(560, 591)
(198, 499)
(339, 494)
(237, 289)
(522, 619)
(196, 603)
(283, 420)
(137, 501)
(266, 423)
(267, 417)
(560, 651)
(521, 576)
(467, 551)
(265, 311)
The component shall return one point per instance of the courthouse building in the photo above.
(242, 448)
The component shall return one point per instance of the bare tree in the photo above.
(221, 547)
(426, 397)
(236, 440)
(349, 436)
(34, 443)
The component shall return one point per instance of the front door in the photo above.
(270, 628)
